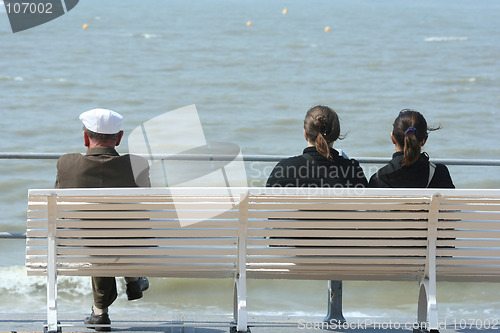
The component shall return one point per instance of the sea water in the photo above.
(252, 84)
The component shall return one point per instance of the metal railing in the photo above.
(222, 157)
(251, 158)
(12, 235)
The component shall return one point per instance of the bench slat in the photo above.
(360, 198)
(478, 269)
(182, 273)
(98, 224)
(338, 224)
(338, 275)
(143, 196)
(195, 215)
(145, 233)
(136, 251)
(483, 207)
(134, 233)
(338, 242)
(416, 261)
(315, 233)
(476, 216)
(33, 259)
(292, 267)
(450, 200)
(474, 225)
(473, 234)
(138, 242)
(340, 206)
(472, 252)
(132, 206)
(468, 243)
(341, 251)
(354, 215)
(140, 251)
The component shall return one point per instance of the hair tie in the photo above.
(324, 129)
(411, 129)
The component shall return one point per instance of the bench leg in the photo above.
(52, 324)
(240, 306)
(334, 313)
(427, 307)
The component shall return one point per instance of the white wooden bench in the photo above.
(266, 233)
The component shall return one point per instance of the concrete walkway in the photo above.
(178, 323)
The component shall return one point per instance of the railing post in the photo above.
(334, 302)
(51, 264)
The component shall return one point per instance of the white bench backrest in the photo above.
(348, 237)
(325, 234)
(468, 244)
(129, 233)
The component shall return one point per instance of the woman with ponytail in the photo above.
(410, 167)
(320, 165)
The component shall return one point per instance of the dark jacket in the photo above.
(315, 170)
(413, 176)
(101, 167)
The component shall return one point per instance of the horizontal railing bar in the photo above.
(12, 235)
(251, 158)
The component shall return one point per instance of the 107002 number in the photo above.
(479, 324)
(29, 8)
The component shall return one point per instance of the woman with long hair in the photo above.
(320, 165)
(409, 166)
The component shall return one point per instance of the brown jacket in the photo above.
(101, 167)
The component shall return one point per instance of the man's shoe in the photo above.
(135, 288)
(102, 319)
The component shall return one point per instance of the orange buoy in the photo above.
(327, 29)
(249, 23)
(85, 26)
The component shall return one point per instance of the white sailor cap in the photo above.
(102, 121)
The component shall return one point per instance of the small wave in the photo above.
(13, 78)
(145, 36)
(149, 36)
(60, 80)
(468, 80)
(15, 281)
(444, 39)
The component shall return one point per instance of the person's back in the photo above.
(409, 167)
(101, 167)
(320, 165)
